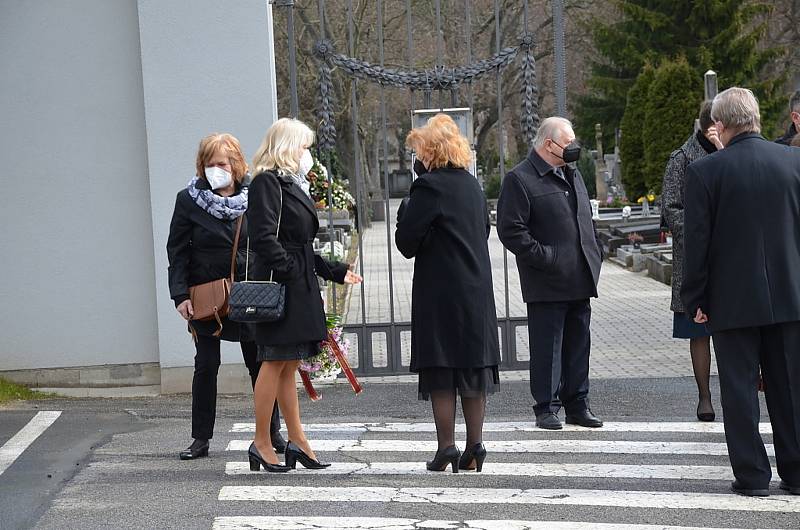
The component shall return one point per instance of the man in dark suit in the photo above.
(544, 218)
(794, 116)
(742, 277)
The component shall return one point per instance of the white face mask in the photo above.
(305, 163)
(218, 177)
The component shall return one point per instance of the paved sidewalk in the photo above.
(631, 324)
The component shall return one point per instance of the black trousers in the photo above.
(740, 353)
(204, 384)
(560, 341)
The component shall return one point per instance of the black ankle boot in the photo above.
(448, 455)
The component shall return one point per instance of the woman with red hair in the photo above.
(444, 225)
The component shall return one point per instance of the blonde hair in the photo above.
(225, 144)
(283, 145)
(439, 143)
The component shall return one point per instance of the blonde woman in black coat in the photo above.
(454, 347)
(280, 193)
(199, 248)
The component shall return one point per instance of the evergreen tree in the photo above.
(631, 143)
(673, 101)
(719, 35)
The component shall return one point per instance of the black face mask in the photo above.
(571, 152)
(419, 167)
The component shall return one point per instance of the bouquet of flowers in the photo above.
(324, 366)
(320, 182)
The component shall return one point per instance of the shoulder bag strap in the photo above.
(277, 231)
(236, 247)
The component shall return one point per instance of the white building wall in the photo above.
(103, 106)
(76, 269)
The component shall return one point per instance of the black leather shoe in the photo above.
(473, 457)
(198, 449)
(278, 443)
(737, 488)
(256, 462)
(449, 455)
(584, 418)
(294, 454)
(548, 420)
(794, 490)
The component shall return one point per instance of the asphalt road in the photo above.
(113, 464)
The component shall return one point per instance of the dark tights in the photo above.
(444, 415)
(700, 350)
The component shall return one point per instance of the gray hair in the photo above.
(737, 109)
(552, 127)
(794, 102)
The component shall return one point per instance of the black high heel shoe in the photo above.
(295, 454)
(448, 455)
(256, 462)
(705, 416)
(477, 454)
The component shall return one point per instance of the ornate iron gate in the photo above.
(390, 353)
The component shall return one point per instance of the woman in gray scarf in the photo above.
(701, 143)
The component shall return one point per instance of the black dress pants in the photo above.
(560, 341)
(204, 384)
(740, 352)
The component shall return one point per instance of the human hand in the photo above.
(185, 309)
(713, 137)
(352, 278)
(700, 317)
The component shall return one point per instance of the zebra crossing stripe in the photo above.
(522, 446)
(385, 523)
(570, 497)
(18, 443)
(514, 426)
(612, 471)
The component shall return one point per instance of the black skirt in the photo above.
(469, 382)
(287, 352)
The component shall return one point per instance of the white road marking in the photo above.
(25, 437)
(512, 426)
(522, 446)
(471, 496)
(385, 523)
(645, 472)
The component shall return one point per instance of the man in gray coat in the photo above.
(544, 218)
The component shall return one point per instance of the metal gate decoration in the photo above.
(442, 79)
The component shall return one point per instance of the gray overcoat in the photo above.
(672, 195)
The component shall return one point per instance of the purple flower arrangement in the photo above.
(323, 365)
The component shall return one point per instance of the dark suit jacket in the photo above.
(290, 254)
(444, 225)
(199, 250)
(546, 222)
(742, 235)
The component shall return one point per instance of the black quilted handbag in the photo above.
(257, 301)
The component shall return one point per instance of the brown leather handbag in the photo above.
(210, 299)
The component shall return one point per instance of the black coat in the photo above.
(199, 250)
(546, 222)
(291, 256)
(742, 235)
(444, 225)
(787, 138)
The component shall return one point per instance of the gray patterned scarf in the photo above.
(225, 208)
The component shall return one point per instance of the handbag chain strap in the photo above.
(236, 247)
(277, 231)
